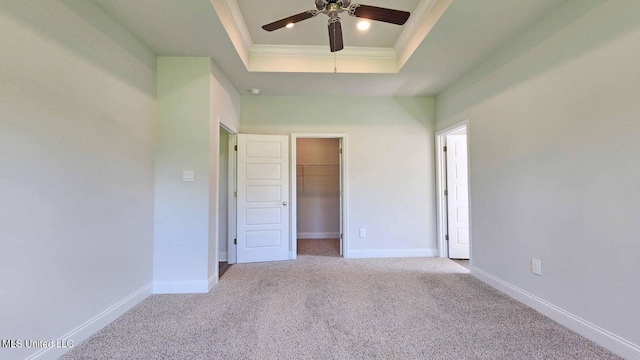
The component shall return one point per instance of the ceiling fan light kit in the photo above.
(333, 8)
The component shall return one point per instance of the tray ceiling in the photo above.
(383, 48)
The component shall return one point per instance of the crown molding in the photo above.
(416, 18)
(239, 23)
(306, 58)
(425, 17)
(321, 50)
(229, 19)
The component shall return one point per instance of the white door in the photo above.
(263, 196)
(340, 196)
(457, 198)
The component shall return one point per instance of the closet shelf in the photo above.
(317, 171)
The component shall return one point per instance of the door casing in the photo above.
(441, 184)
(232, 253)
(233, 188)
(344, 221)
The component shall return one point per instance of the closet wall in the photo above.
(318, 188)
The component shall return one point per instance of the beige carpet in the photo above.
(334, 308)
(319, 247)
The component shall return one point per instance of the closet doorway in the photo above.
(318, 194)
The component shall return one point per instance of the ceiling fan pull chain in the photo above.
(335, 66)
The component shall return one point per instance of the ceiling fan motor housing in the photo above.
(333, 8)
(322, 4)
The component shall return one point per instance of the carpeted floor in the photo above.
(334, 308)
(464, 263)
(319, 247)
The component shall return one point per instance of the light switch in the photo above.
(187, 176)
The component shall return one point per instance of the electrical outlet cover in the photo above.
(536, 266)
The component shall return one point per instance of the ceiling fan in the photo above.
(333, 8)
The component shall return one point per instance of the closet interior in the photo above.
(318, 196)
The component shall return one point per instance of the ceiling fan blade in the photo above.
(290, 20)
(335, 34)
(391, 16)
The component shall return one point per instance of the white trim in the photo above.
(230, 24)
(441, 185)
(319, 235)
(321, 51)
(223, 256)
(238, 22)
(226, 128)
(600, 336)
(182, 287)
(345, 193)
(293, 199)
(231, 219)
(213, 280)
(419, 25)
(391, 253)
(453, 128)
(93, 325)
(411, 27)
(256, 57)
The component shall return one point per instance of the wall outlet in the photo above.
(363, 232)
(536, 266)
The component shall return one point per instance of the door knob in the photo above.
(284, 203)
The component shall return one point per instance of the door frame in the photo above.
(232, 254)
(293, 234)
(441, 182)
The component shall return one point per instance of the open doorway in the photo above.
(224, 189)
(318, 194)
(453, 193)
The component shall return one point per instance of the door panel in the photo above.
(263, 196)
(457, 199)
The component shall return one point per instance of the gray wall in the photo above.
(194, 98)
(390, 154)
(77, 126)
(554, 127)
(182, 210)
(224, 103)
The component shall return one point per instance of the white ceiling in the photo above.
(467, 33)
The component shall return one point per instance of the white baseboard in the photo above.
(213, 280)
(223, 256)
(382, 253)
(319, 235)
(93, 325)
(181, 287)
(600, 336)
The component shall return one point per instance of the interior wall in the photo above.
(553, 131)
(223, 200)
(194, 98)
(77, 134)
(224, 109)
(182, 208)
(390, 150)
(318, 188)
